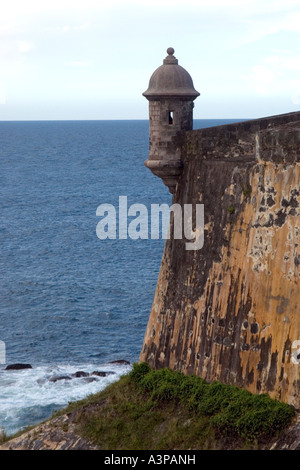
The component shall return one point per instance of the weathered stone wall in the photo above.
(163, 133)
(168, 117)
(231, 310)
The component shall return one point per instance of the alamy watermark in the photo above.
(135, 222)
(2, 352)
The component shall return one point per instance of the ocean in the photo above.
(70, 301)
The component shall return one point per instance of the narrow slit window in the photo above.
(171, 117)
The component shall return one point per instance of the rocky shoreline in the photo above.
(56, 434)
(60, 433)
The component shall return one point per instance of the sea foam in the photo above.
(30, 396)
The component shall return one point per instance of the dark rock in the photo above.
(119, 361)
(55, 378)
(80, 373)
(18, 366)
(101, 374)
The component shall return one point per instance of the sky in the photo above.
(92, 59)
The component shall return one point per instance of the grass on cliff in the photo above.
(162, 410)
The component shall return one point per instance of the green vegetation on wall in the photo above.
(232, 410)
(163, 409)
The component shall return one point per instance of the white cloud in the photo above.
(14, 50)
(2, 93)
(286, 63)
(79, 63)
(24, 46)
(263, 80)
(291, 22)
(8, 28)
(276, 75)
(67, 28)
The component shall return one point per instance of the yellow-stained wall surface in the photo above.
(230, 311)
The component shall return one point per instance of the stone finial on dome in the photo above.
(170, 59)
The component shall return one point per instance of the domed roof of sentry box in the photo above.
(170, 79)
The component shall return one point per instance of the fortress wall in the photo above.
(231, 310)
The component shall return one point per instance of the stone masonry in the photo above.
(230, 311)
